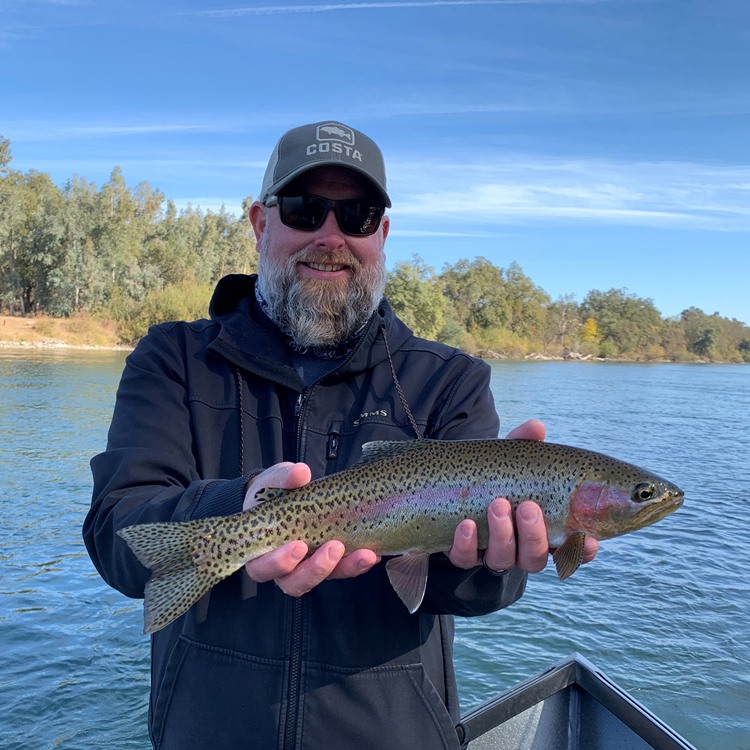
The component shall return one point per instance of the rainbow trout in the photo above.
(405, 499)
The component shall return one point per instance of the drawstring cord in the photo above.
(238, 375)
(399, 390)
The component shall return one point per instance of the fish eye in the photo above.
(643, 492)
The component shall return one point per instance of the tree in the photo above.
(42, 252)
(704, 345)
(5, 154)
(415, 296)
(526, 302)
(13, 197)
(562, 324)
(629, 323)
(476, 293)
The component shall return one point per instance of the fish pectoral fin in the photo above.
(569, 555)
(408, 576)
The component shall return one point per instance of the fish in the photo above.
(403, 500)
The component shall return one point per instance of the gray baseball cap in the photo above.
(322, 144)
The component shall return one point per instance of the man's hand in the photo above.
(527, 549)
(289, 566)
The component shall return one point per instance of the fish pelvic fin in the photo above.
(178, 579)
(569, 555)
(408, 576)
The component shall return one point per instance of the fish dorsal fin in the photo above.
(377, 449)
(408, 576)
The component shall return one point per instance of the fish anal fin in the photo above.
(569, 555)
(408, 576)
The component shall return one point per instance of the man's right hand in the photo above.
(289, 566)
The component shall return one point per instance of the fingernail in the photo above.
(529, 512)
(298, 552)
(466, 531)
(501, 511)
(335, 551)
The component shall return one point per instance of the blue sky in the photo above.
(599, 143)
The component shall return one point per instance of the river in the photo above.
(664, 612)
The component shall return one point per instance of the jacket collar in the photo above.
(251, 341)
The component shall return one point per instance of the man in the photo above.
(295, 370)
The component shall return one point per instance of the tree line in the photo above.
(501, 312)
(129, 255)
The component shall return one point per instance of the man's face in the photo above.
(321, 286)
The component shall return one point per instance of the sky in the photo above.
(599, 144)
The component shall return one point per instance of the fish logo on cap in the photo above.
(335, 132)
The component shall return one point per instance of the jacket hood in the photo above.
(251, 341)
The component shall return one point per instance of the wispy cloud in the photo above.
(268, 10)
(513, 190)
(54, 131)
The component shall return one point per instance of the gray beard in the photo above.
(319, 314)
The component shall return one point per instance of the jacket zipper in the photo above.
(295, 655)
(295, 670)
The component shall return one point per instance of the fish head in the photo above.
(621, 499)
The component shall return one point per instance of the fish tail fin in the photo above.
(178, 579)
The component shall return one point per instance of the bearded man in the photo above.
(292, 373)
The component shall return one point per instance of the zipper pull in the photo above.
(298, 406)
(332, 451)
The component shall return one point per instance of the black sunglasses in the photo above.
(355, 216)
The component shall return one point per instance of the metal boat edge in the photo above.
(569, 706)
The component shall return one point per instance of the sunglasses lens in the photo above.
(358, 217)
(307, 212)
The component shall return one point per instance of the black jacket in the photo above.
(199, 407)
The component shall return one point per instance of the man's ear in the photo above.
(257, 216)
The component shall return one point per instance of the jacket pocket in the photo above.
(217, 698)
(386, 707)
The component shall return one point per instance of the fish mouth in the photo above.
(661, 508)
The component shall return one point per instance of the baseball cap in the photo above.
(323, 144)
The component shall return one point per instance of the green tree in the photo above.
(42, 254)
(85, 277)
(5, 154)
(704, 345)
(475, 291)
(13, 200)
(629, 323)
(526, 303)
(414, 293)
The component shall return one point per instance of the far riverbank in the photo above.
(88, 333)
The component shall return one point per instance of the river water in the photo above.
(664, 612)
